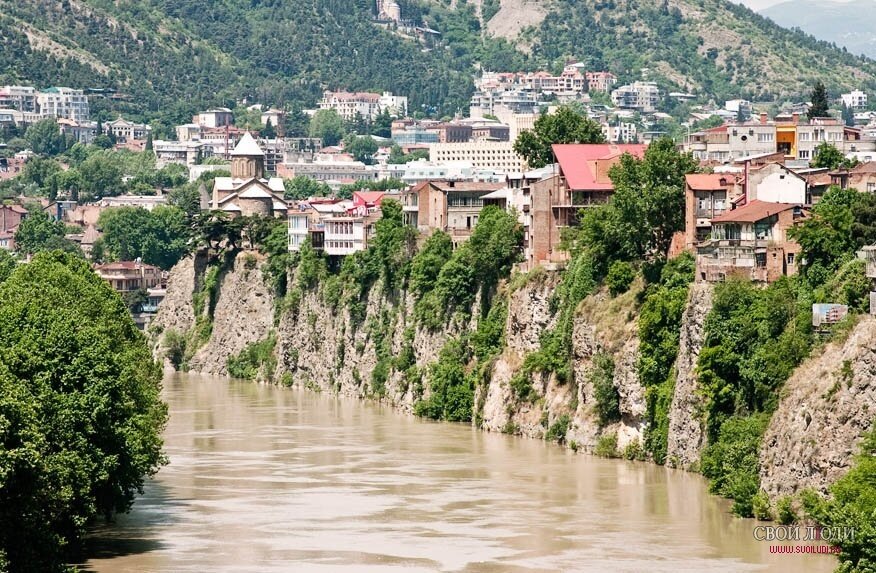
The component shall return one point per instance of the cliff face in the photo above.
(827, 404)
(686, 437)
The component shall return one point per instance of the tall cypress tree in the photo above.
(820, 104)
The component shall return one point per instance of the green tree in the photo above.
(79, 400)
(39, 232)
(102, 174)
(848, 115)
(44, 173)
(646, 209)
(826, 237)
(827, 155)
(45, 137)
(268, 131)
(362, 148)
(327, 125)
(819, 105)
(304, 187)
(159, 237)
(566, 125)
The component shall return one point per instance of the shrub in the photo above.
(256, 359)
(557, 431)
(785, 513)
(634, 451)
(607, 405)
(606, 446)
(452, 391)
(731, 463)
(620, 276)
(175, 347)
(760, 506)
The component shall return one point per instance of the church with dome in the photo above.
(247, 192)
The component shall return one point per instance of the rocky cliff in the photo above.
(826, 406)
(222, 307)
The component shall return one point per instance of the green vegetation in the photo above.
(557, 431)
(819, 105)
(255, 361)
(39, 232)
(566, 125)
(607, 405)
(159, 237)
(606, 446)
(451, 395)
(82, 420)
(659, 324)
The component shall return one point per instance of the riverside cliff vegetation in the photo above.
(80, 416)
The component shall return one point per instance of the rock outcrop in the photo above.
(827, 404)
(686, 439)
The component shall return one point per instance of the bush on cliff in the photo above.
(80, 416)
(256, 359)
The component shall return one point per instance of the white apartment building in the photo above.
(495, 155)
(345, 235)
(367, 105)
(124, 131)
(64, 103)
(182, 152)
(20, 98)
(856, 99)
(640, 96)
(623, 132)
(299, 226)
(217, 117)
(810, 136)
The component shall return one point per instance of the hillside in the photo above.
(172, 58)
(851, 25)
(712, 47)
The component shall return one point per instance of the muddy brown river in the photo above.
(266, 479)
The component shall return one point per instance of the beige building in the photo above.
(496, 155)
(449, 206)
(128, 276)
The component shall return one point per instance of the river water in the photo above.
(268, 479)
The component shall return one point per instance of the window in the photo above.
(803, 154)
(871, 187)
(790, 258)
(764, 137)
(760, 259)
(804, 136)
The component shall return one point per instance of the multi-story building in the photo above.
(706, 196)
(83, 132)
(19, 98)
(124, 131)
(817, 131)
(129, 276)
(639, 96)
(217, 117)
(496, 155)
(856, 99)
(449, 206)
(623, 132)
(350, 105)
(181, 152)
(580, 180)
(247, 192)
(751, 242)
(66, 103)
(600, 81)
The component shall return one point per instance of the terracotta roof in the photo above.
(575, 161)
(753, 211)
(709, 181)
(372, 197)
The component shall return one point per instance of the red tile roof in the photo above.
(709, 181)
(753, 212)
(369, 197)
(577, 162)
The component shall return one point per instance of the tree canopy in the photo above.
(159, 237)
(566, 125)
(327, 125)
(819, 105)
(82, 420)
(39, 232)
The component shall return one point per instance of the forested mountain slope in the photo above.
(173, 57)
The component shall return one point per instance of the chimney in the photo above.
(763, 118)
(795, 118)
